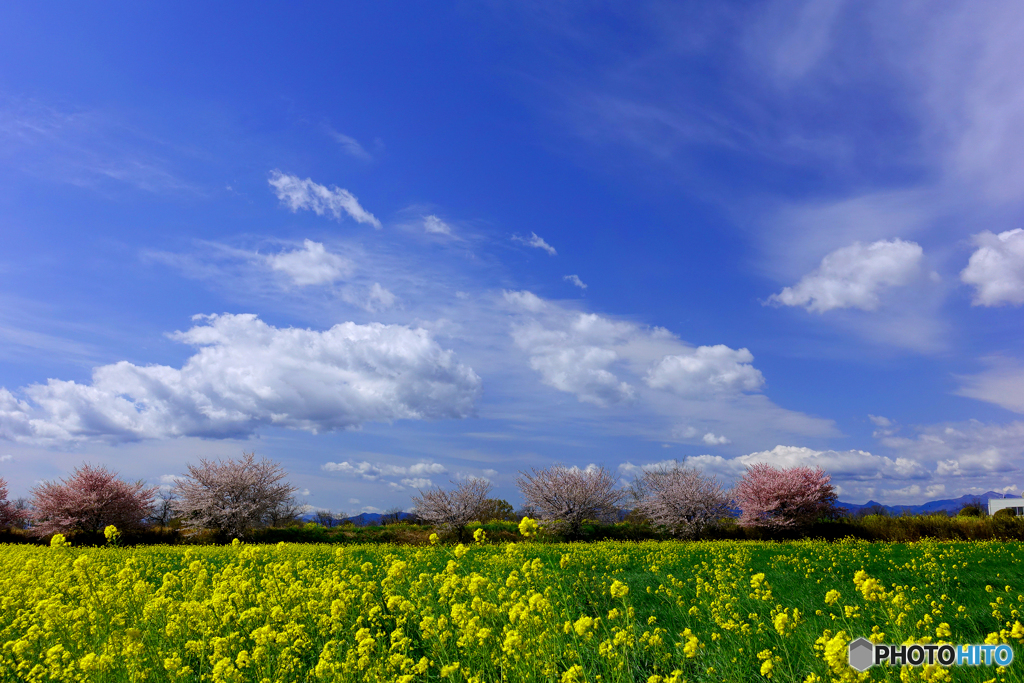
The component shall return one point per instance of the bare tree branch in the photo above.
(453, 510)
(680, 500)
(569, 495)
(232, 496)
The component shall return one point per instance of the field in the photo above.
(654, 611)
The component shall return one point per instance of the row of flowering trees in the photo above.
(234, 496)
(677, 499)
(227, 496)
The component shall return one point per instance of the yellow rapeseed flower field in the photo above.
(655, 612)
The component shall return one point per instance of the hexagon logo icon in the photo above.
(862, 654)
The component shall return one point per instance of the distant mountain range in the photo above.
(950, 505)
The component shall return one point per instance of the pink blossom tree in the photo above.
(787, 497)
(568, 496)
(679, 499)
(89, 500)
(233, 496)
(453, 510)
(10, 515)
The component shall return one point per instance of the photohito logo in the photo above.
(864, 654)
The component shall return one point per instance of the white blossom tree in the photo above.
(232, 496)
(568, 496)
(452, 510)
(680, 500)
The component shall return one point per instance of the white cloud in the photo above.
(996, 268)
(575, 279)
(534, 241)
(311, 265)
(248, 374)
(375, 471)
(373, 299)
(6, 458)
(712, 440)
(609, 362)
(572, 352)
(436, 226)
(418, 483)
(880, 421)
(296, 194)
(350, 145)
(1002, 384)
(853, 276)
(353, 501)
(706, 370)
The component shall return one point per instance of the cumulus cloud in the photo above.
(534, 241)
(967, 450)
(311, 265)
(996, 268)
(247, 374)
(296, 194)
(6, 458)
(854, 276)
(589, 355)
(412, 476)
(436, 226)
(573, 354)
(575, 279)
(712, 440)
(708, 369)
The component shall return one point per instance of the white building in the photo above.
(996, 504)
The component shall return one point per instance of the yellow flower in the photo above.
(58, 541)
(479, 535)
(528, 527)
(450, 669)
(433, 539)
(942, 630)
(832, 597)
(112, 534)
(460, 550)
(619, 589)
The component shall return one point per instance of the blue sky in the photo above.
(397, 246)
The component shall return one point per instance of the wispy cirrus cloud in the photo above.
(296, 193)
(535, 241)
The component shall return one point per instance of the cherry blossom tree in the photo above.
(89, 500)
(787, 497)
(679, 499)
(452, 510)
(10, 515)
(232, 496)
(567, 496)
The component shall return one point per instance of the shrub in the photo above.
(788, 497)
(568, 496)
(971, 510)
(496, 509)
(680, 500)
(234, 496)
(89, 500)
(453, 510)
(1003, 514)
